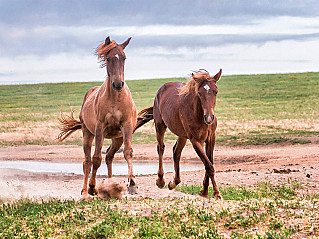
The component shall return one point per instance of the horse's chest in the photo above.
(113, 117)
(112, 123)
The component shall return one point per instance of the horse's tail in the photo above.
(68, 125)
(144, 116)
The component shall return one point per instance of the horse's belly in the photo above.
(88, 120)
(179, 131)
(175, 125)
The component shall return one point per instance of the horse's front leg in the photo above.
(209, 147)
(97, 157)
(210, 171)
(127, 132)
(87, 164)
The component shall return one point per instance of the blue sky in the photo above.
(53, 41)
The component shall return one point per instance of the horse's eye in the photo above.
(215, 92)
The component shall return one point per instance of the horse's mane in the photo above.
(103, 50)
(195, 81)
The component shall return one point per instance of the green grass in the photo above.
(261, 211)
(251, 109)
(261, 190)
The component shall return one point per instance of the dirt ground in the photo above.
(233, 165)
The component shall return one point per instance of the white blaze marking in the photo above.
(206, 87)
(117, 56)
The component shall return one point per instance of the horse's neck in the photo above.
(108, 87)
(107, 92)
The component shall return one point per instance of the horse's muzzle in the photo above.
(118, 85)
(209, 119)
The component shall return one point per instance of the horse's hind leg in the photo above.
(87, 163)
(209, 148)
(115, 146)
(177, 151)
(160, 131)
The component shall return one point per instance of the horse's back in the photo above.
(89, 93)
(167, 93)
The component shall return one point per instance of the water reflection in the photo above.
(76, 168)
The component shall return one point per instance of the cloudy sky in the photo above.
(53, 41)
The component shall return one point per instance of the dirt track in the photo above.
(233, 165)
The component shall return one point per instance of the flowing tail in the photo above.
(144, 116)
(68, 125)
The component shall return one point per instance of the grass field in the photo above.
(260, 211)
(254, 109)
(251, 109)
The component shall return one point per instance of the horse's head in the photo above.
(113, 56)
(207, 92)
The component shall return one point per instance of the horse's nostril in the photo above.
(118, 85)
(209, 119)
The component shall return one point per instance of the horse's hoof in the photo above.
(204, 193)
(218, 197)
(171, 185)
(132, 190)
(92, 191)
(160, 184)
(132, 183)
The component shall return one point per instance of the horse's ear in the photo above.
(107, 41)
(123, 45)
(217, 76)
(196, 78)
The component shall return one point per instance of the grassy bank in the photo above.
(261, 211)
(251, 109)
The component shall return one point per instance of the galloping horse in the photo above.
(188, 111)
(108, 111)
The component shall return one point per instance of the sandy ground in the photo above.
(236, 166)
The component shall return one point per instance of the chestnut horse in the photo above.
(188, 111)
(108, 111)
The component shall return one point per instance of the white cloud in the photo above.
(52, 68)
(55, 53)
(275, 25)
(272, 57)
